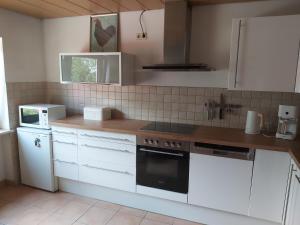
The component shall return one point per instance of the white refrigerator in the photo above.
(35, 153)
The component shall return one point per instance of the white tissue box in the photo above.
(97, 113)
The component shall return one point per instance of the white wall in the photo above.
(72, 35)
(2, 173)
(210, 40)
(4, 119)
(23, 47)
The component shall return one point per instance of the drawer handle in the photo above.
(298, 178)
(63, 142)
(57, 160)
(110, 149)
(63, 132)
(107, 138)
(109, 170)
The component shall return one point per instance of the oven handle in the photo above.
(160, 152)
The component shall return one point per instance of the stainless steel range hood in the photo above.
(177, 38)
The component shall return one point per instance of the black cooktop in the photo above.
(177, 128)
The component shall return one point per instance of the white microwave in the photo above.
(40, 115)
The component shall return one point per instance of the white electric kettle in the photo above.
(254, 122)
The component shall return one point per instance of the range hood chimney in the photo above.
(177, 31)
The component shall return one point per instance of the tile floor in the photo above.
(21, 205)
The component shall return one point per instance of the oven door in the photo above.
(30, 117)
(163, 169)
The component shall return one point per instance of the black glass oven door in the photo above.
(163, 169)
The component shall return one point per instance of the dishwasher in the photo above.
(220, 177)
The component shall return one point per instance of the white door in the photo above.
(296, 216)
(36, 160)
(269, 185)
(293, 209)
(220, 183)
(264, 53)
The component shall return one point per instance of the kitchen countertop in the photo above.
(213, 135)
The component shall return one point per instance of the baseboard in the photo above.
(2, 183)
(157, 205)
(8, 182)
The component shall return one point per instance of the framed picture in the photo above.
(104, 33)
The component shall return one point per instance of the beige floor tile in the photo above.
(85, 200)
(31, 216)
(12, 193)
(31, 197)
(51, 204)
(61, 194)
(133, 211)
(107, 205)
(152, 222)
(22, 205)
(57, 220)
(9, 212)
(124, 219)
(2, 203)
(184, 222)
(97, 216)
(159, 218)
(73, 209)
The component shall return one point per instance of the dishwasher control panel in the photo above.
(223, 151)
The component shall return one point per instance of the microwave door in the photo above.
(30, 117)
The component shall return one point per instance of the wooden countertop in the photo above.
(213, 135)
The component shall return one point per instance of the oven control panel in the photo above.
(164, 143)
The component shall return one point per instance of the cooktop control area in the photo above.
(164, 143)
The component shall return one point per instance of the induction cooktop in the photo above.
(176, 128)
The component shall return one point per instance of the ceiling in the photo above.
(65, 8)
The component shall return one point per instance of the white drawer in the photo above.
(117, 177)
(66, 170)
(64, 131)
(107, 136)
(65, 148)
(92, 152)
(65, 137)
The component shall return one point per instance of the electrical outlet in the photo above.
(141, 36)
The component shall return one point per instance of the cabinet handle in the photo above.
(109, 170)
(298, 178)
(63, 132)
(237, 53)
(107, 138)
(297, 69)
(160, 152)
(57, 160)
(63, 142)
(110, 149)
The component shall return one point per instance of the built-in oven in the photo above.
(163, 164)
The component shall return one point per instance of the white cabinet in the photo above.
(269, 185)
(107, 159)
(68, 170)
(293, 208)
(109, 175)
(64, 148)
(101, 67)
(64, 131)
(102, 158)
(220, 183)
(65, 152)
(264, 54)
(93, 152)
(107, 136)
